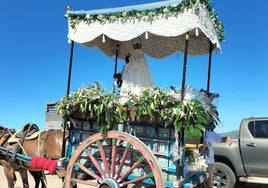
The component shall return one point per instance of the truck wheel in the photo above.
(223, 176)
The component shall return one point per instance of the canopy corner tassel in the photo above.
(196, 32)
(146, 35)
(103, 38)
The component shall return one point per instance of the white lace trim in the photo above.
(160, 36)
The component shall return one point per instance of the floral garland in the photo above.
(92, 102)
(125, 15)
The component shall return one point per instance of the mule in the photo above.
(47, 144)
(8, 168)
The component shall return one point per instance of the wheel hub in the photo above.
(109, 183)
(218, 180)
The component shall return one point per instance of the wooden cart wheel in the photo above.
(113, 161)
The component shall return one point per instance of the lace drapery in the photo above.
(160, 35)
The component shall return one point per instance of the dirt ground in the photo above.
(52, 180)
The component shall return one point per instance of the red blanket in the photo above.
(44, 164)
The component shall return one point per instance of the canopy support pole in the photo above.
(67, 94)
(209, 66)
(115, 65)
(202, 139)
(184, 66)
(181, 162)
(70, 69)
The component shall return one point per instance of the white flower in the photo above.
(196, 161)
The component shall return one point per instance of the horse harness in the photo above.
(27, 131)
(5, 134)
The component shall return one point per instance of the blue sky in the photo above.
(34, 58)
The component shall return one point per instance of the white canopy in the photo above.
(160, 28)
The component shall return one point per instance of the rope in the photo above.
(38, 145)
(18, 144)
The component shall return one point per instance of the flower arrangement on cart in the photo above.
(156, 106)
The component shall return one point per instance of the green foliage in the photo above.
(192, 118)
(92, 102)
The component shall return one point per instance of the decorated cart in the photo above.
(142, 135)
(138, 134)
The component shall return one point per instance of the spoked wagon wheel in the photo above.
(113, 161)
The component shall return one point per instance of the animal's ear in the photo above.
(26, 127)
(29, 127)
(35, 127)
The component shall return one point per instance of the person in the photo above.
(212, 137)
